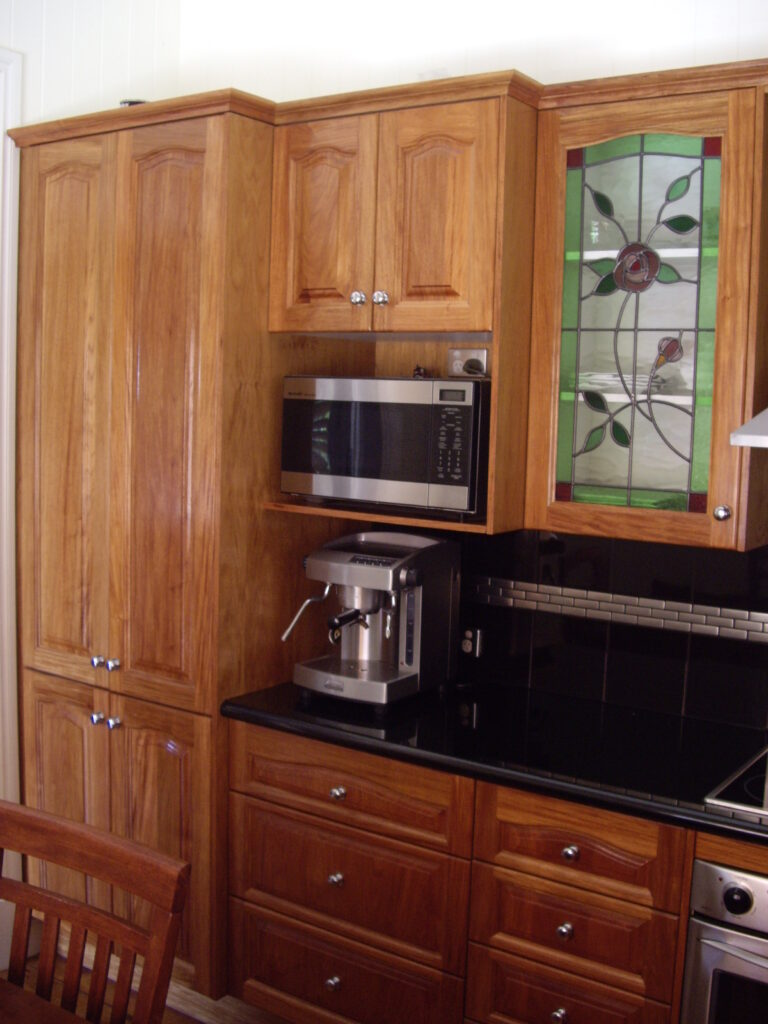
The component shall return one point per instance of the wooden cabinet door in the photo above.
(65, 308)
(164, 395)
(436, 217)
(648, 506)
(66, 768)
(323, 213)
(161, 796)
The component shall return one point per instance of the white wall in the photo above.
(83, 55)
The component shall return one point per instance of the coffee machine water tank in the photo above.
(394, 630)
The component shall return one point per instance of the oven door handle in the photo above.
(740, 954)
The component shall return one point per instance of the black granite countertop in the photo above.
(656, 765)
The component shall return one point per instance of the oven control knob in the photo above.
(737, 899)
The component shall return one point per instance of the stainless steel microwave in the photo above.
(410, 443)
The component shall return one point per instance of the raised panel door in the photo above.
(164, 388)
(65, 306)
(160, 760)
(322, 225)
(66, 768)
(436, 217)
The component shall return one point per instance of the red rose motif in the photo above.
(636, 268)
(670, 350)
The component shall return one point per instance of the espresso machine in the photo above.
(393, 631)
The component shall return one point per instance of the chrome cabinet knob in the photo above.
(113, 664)
(571, 853)
(336, 879)
(114, 723)
(97, 717)
(358, 298)
(333, 984)
(337, 793)
(380, 298)
(559, 1016)
(565, 931)
(722, 512)
(97, 661)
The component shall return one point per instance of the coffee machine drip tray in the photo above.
(375, 682)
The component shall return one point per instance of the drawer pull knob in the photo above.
(559, 1016)
(333, 984)
(97, 717)
(357, 298)
(336, 878)
(571, 853)
(98, 661)
(338, 793)
(565, 931)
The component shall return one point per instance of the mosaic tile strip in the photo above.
(733, 623)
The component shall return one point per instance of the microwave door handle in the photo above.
(740, 954)
(315, 599)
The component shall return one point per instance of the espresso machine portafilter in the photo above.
(394, 631)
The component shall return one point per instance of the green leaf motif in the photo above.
(595, 439)
(606, 286)
(601, 267)
(603, 203)
(667, 274)
(595, 401)
(678, 188)
(620, 434)
(681, 225)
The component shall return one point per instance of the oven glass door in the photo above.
(726, 978)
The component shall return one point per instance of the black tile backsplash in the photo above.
(714, 679)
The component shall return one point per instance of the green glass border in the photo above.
(566, 406)
(677, 145)
(702, 421)
(627, 145)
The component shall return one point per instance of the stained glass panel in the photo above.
(639, 303)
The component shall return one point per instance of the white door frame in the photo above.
(10, 117)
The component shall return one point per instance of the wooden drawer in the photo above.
(505, 989)
(402, 898)
(307, 976)
(420, 805)
(614, 854)
(621, 944)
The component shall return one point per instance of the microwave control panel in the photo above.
(451, 444)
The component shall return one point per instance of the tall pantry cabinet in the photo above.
(149, 578)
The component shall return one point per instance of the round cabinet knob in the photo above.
(738, 899)
(97, 717)
(333, 984)
(565, 931)
(97, 660)
(357, 298)
(336, 878)
(113, 664)
(571, 853)
(722, 512)
(380, 298)
(559, 1016)
(337, 793)
(114, 723)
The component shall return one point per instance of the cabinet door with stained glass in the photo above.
(649, 233)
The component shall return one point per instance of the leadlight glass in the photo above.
(638, 322)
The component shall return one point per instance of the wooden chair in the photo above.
(160, 880)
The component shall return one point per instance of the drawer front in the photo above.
(307, 976)
(619, 943)
(410, 901)
(504, 989)
(421, 805)
(616, 854)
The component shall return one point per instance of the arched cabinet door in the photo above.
(645, 291)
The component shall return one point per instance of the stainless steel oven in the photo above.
(726, 965)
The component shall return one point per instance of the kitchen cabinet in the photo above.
(349, 881)
(646, 312)
(387, 221)
(574, 911)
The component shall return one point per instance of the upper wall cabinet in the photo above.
(645, 353)
(386, 222)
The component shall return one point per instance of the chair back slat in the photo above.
(122, 991)
(73, 969)
(161, 881)
(47, 959)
